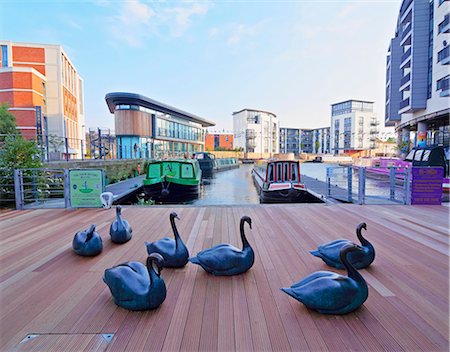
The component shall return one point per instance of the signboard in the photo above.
(421, 138)
(86, 186)
(426, 185)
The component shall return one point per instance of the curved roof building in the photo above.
(146, 128)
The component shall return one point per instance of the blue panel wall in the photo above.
(395, 76)
(420, 42)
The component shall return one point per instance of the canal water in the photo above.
(230, 187)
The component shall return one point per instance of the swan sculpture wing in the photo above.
(329, 252)
(163, 246)
(327, 294)
(127, 281)
(220, 258)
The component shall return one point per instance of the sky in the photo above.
(211, 58)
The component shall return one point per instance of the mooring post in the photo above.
(66, 188)
(362, 185)
(349, 184)
(18, 188)
(407, 186)
(392, 182)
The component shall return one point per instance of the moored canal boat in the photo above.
(278, 181)
(172, 181)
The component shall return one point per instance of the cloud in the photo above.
(239, 32)
(138, 21)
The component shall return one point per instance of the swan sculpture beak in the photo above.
(177, 217)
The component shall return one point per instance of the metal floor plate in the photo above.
(63, 342)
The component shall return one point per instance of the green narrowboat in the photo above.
(172, 181)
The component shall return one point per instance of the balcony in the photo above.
(405, 79)
(404, 103)
(444, 56)
(406, 31)
(444, 26)
(406, 55)
(374, 123)
(373, 131)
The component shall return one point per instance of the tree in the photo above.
(16, 153)
(7, 122)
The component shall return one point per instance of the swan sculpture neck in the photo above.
(158, 259)
(359, 228)
(352, 272)
(174, 216)
(90, 233)
(118, 214)
(244, 219)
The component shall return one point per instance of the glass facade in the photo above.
(171, 137)
(349, 106)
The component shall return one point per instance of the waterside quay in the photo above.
(54, 299)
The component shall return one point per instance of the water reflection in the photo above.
(231, 187)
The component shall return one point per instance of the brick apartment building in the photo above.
(44, 92)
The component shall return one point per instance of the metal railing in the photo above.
(41, 188)
(369, 185)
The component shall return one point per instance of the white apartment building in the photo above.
(354, 127)
(256, 131)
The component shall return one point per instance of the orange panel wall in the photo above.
(226, 141)
(28, 54)
(209, 142)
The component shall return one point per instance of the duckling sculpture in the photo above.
(174, 252)
(331, 293)
(120, 230)
(135, 286)
(225, 259)
(87, 243)
(330, 252)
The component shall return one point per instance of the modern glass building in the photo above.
(417, 73)
(146, 128)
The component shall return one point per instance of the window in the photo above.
(286, 172)
(270, 173)
(4, 55)
(294, 174)
(279, 172)
(426, 155)
(418, 155)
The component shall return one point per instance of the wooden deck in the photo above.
(48, 291)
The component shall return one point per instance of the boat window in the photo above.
(154, 170)
(199, 156)
(286, 172)
(270, 173)
(187, 171)
(410, 156)
(418, 155)
(279, 172)
(294, 172)
(426, 155)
